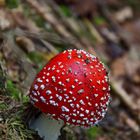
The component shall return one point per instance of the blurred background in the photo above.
(33, 31)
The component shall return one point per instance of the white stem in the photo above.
(47, 128)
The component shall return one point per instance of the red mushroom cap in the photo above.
(73, 87)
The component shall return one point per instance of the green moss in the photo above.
(13, 91)
(93, 132)
(3, 106)
(65, 10)
(36, 57)
(27, 10)
(99, 20)
(30, 13)
(12, 3)
(40, 22)
(16, 130)
(25, 99)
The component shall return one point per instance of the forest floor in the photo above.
(33, 31)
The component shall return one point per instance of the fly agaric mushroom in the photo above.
(73, 89)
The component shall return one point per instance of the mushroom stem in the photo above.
(47, 128)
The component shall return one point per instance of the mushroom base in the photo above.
(47, 128)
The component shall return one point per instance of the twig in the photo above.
(49, 17)
(40, 37)
(126, 99)
(130, 122)
(112, 22)
(123, 95)
(74, 26)
(93, 31)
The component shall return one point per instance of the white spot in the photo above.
(81, 115)
(87, 97)
(87, 111)
(60, 83)
(48, 74)
(69, 101)
(67, 118)
(53, 68)
(95, 95)
(60, 98)
(72, 86)
(90, 80)
(65, 89)
(42, 86)
(59, 63)
(53, 79)
(76, 80)
(82, 102)
(92, 113)
(42, 99)
(55, 88)
(70, 70)
(74, 114)
(103, 81)
(96, 105)
(74, 98)
(77, 105)
(69, 56)
(51, 97)
(80, 83)
(73, 120)
(48, 92)
(70, 92)
(35, 86)
(75, 73)
(91, 119)
(39, 80)
(77, 62)
(64, 109)
(34, 93)
(53, 103)
(104, 88)
(81, 91)
(63, 73)
(57, 71)
(89, 103)
(67, 80)
(72, 105)
(38, 93)
(61, 66)
(82, 109)
(78, 112)
(85, 118)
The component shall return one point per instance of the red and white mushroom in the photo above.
(72, 88)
